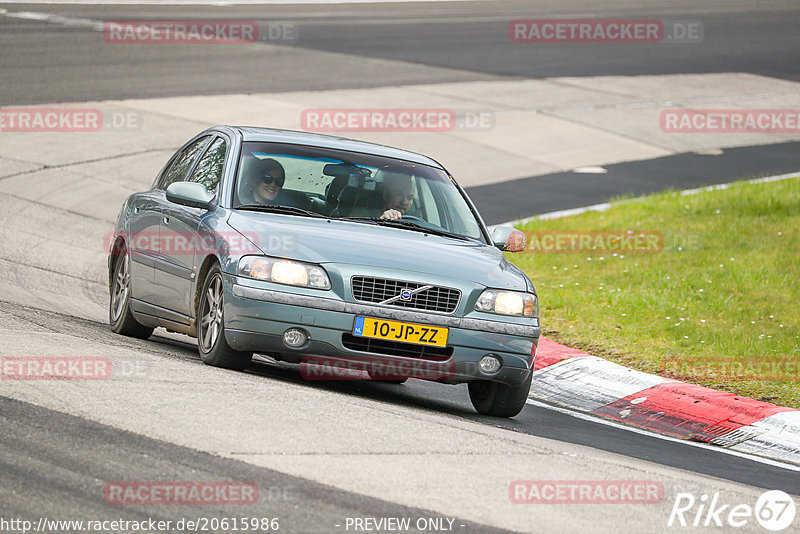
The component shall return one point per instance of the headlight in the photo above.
(508, 303)
(290, 272)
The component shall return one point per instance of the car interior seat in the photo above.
(332, 192)
(358, 197)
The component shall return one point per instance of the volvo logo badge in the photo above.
(405, 294)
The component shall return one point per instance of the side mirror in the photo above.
(190, 194)
(509, 239)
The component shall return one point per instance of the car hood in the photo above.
(335, 241)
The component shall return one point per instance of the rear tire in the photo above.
(214, 350)
(499, 400)
(120, 317)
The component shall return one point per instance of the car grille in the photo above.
(379, 290)
(396, 348)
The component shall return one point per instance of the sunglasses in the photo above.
(268, 179)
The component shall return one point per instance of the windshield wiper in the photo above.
(409, 225)
(278, 208)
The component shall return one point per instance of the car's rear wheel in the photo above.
(214, 350)
(120, 317)
(499, 400)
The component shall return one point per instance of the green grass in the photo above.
(724, 289)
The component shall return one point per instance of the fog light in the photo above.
(295, 337)
(490, 364)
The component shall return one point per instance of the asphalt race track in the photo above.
(427, 42)
(323, 452)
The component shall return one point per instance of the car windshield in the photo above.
(351, 185)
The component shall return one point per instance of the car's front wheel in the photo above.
(120, 317)
(499, 400)
(214, 350)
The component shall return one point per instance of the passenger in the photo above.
(261, 180)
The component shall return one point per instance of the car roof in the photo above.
(274, 135)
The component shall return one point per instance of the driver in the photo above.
(398, 196)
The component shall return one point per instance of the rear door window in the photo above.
(209, 169)
(183, 163)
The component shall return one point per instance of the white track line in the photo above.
(306, 19)
(54, 19)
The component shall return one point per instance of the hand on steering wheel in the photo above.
(391, 214)
(396, 214)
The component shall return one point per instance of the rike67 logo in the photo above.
(774, 510)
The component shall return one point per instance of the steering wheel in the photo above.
(412, 218)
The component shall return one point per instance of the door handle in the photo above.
(166, 220)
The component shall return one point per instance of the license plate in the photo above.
(419, 334)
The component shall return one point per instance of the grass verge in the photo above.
(708, 294)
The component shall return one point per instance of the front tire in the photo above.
(214, 350)
(499, 400)
(120, 317)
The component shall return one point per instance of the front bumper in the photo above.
(256, 318)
